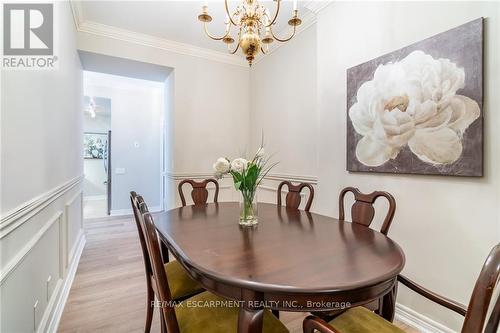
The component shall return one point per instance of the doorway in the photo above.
(97, 156)
(123, 143)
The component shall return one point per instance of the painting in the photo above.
(418, 110)
(95, 145)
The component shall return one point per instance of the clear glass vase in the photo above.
(248, 208)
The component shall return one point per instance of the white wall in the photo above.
(136, 118)
(41, 153)
(211, 104)
(446, 225)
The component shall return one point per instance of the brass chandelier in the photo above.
(254, 25)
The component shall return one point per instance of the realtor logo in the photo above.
(28, 36)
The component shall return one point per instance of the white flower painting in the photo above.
(416, 107)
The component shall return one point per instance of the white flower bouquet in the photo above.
(247, 175)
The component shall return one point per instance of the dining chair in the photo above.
(204, 312)
(199, 192)
(293, 197)
(362, 211)
(481, 304)
(182, 286)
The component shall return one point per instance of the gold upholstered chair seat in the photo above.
(209, 313)
(362, 320)
(180, 283)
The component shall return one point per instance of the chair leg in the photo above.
(162, 321)
(149, 309)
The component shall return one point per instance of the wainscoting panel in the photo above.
(73, 212)
(40, 248)
(31, 280)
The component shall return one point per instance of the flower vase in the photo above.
(248, 208)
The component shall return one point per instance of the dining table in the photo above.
(292, 260)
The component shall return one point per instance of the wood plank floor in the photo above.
(108, 293)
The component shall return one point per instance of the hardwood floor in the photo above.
(108, 293)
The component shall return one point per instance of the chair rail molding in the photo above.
(22, 213)
(271, 176)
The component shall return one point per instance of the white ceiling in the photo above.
(176, 20)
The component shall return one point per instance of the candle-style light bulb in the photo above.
(294, 5)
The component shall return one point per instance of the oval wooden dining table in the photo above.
(292, 260)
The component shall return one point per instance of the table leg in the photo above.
(388, 306)
(250, 320)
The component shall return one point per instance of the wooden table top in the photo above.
(288, 251)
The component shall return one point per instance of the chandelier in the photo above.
(254, 26)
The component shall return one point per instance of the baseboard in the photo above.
(51, 324)
(419, 322)
(95, 197)
(127, 212)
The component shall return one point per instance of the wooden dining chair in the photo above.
(199, 192)
(208, 313)
(293, 197)
(362, 320)
(182, 285)
(362, 211)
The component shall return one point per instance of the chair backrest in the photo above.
(137, 202)
(481, 300)
(293, 197)
(199, 192)
(362, 211)
(162, 287)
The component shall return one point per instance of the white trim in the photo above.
(272, 176)
(419, 322)
(19, 257)
(317, 6)
(22, 213)
(100, 29)
(129, 212)
(95, 197)
(292, 178)
(78, 13)
(60, 301)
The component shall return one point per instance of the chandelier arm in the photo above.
(237, 46)
(205, 25)
(275, 14)
(228, 14)
(286, 39)
(262, 50)
(236, 49)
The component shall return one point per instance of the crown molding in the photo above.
(318, 5)
(78, 13)
(84, 25)
(159, 43)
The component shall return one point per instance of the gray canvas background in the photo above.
(462, 45)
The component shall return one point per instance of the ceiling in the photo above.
(177, 20)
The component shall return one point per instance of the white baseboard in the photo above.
(419, 322)
(51, 324)
(95, 197)
(126, 212)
